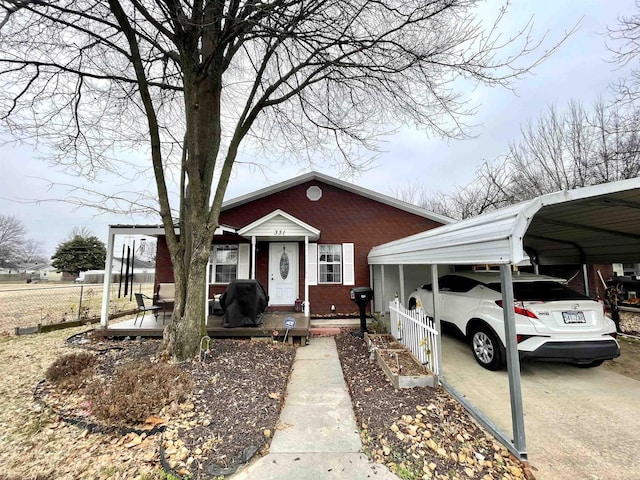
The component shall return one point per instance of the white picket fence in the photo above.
(416, 331)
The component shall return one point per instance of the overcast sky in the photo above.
(579, 70)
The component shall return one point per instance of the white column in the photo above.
(401, 275)
(108, 264)
(253, 257)
(206, 288)
(384, 305)
(307, 309)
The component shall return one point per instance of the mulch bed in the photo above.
(420, 433)
(229, 416)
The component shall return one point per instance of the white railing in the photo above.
(416, 331)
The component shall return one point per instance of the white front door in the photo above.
(283, 273)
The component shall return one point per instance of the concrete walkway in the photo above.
(318, 437)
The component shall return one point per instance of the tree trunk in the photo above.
(188, 323)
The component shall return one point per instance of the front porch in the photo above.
(271, 321)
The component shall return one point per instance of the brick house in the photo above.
(306, 240)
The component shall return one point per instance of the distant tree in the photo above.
(79, 254)
(574, 148)
(32, 251)
(562, 150)
(83, 232)
(12, 237)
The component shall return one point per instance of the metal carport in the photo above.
(598, 224)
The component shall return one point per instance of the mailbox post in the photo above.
(361, 296)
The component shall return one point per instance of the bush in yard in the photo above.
(71, 371)
(139, 390)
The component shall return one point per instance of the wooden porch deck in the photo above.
(271, 321)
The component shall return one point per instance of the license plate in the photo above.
(573, 317)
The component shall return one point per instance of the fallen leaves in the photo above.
(420, 432)
(214, 426)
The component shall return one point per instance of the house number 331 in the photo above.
(280, 233)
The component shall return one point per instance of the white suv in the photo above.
(553, 322)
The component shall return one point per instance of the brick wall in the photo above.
(575, 275)
(341, 216)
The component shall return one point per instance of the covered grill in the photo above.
(243, 303)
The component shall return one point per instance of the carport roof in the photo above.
(598, 224)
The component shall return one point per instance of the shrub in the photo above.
(139, 390)
(71, 371)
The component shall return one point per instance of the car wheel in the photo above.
(486, 348)
(412, 304)
(595, 363)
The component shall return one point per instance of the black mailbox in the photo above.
(361, 296)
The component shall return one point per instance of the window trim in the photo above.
(320, 263)
(212, 260)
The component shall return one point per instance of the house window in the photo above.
(329, 263)
(224, 263)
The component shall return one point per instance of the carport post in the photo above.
(513, 361)
(585, 276)
(435, 291)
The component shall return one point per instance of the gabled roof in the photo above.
(263, 227)
(349, 187)
(598, 224)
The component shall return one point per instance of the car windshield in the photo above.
(541, 291)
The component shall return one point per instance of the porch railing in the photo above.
(416, 331)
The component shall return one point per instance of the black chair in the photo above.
(144, 308)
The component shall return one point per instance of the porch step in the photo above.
(333, 326)
(338, 322)
(324, 331)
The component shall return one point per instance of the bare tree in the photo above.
(572, 149)
(625, 47)
(562, 150)
(83, 232)
(12, 233)
(315, 80)
(488, 191)
(32, 251)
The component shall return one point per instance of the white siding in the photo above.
(279, 226)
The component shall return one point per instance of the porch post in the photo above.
(207, 280)
(307, 310)
(253, 257)
(384, 306)
(401, 274)
(108, 264)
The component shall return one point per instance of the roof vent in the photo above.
(314, 193)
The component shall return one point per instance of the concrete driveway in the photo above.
(580, 423)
